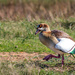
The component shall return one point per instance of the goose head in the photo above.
(42, 27)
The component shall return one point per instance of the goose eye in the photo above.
(40, 26)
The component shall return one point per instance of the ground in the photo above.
(17, 56)
(33, 61)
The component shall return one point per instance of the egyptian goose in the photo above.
(51, 40)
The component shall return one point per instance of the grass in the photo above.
(19, 36)
(47, 2)
(37, 67)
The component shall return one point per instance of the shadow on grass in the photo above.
(66, 64)
(71, 65)
(41, 65)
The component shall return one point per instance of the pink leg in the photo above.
(51, 56)
(62, 60)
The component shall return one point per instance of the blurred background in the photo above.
(36, 9)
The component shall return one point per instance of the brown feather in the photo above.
(60, 34)
(49, 35)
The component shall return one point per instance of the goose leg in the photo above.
(51, 56)
(62, 60)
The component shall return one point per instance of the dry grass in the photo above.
(36, 9)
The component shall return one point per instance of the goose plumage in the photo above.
(51, 40)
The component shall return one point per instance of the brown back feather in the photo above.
(60, 34)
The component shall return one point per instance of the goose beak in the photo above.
(37, 31)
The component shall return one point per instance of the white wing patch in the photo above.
(65, 44)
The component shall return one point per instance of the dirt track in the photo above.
(18, 56)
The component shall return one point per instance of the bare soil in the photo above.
(18, 56)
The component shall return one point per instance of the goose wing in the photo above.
(60, 34)
(66, 43)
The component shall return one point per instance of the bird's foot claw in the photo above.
(47, 57)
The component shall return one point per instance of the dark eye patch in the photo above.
(40, 26)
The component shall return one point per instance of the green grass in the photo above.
(45, 2)
(20, 36)
(29, 46)
(51, 67)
